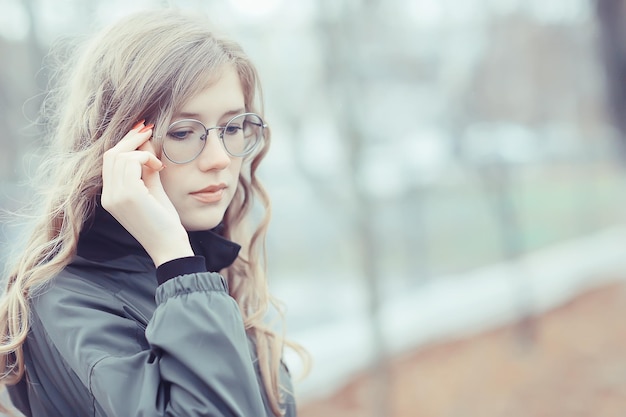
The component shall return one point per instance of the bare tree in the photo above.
(612, 23)
(343, 39)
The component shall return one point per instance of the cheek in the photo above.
(235, 168)
(169, 177)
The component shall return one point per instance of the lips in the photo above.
(210, 194)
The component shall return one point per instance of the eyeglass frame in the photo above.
(263, 125)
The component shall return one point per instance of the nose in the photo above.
(213, 156)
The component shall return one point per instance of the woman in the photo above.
(131, 297)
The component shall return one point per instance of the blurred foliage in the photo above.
(409, 124)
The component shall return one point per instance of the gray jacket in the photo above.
(112, 336)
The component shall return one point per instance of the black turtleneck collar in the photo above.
(104, 239)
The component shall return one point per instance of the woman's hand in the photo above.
(133, 194)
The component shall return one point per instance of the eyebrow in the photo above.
(192, 115)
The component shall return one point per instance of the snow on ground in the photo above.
(445, 308)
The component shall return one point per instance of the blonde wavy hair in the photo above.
(145, 66)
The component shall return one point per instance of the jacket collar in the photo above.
(104, 239)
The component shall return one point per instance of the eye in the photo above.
(180, 134)
(231, 130)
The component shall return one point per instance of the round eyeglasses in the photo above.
(185, 139)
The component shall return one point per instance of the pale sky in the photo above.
(56, 17)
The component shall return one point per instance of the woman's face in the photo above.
(202, 189)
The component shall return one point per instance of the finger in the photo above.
(126, 167)
(124, 185)
(133, 139)
(150, 178)
(142, 158)
(147, 146)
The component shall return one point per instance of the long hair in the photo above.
(144, 67)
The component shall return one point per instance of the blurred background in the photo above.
(447, 179)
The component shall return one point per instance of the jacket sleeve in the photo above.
(193, 361)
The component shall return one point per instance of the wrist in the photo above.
(180, 266)
(172, 249)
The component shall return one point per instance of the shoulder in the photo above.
(74, 310)
(69, 288)
(98, 285)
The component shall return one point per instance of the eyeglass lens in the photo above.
(185, 139)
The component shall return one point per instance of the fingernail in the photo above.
(138, 124)
(146, 128)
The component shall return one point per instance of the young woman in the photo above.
(131, 297)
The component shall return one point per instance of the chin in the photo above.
(199, 223)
